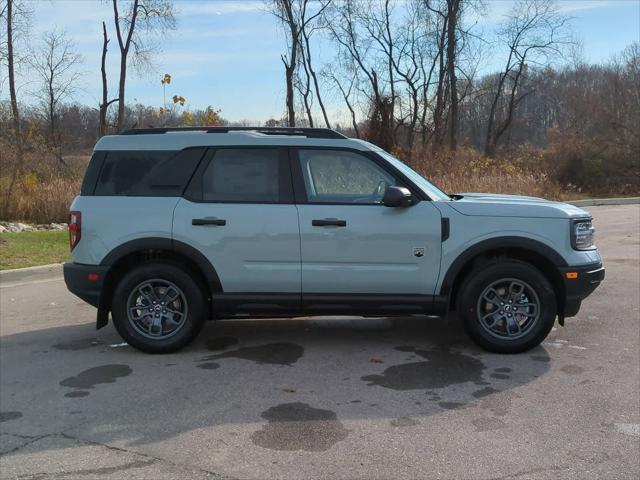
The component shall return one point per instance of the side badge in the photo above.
(418, 252)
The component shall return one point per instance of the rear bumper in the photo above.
(577, 289)
(81, 280)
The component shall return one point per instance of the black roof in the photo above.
(303, 132)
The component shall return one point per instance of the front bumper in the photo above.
(587, 279)
(85, 281)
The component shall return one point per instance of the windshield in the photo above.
(434, 192)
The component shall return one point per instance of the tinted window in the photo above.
(242, 175)
(337, 176)
(147, 173)
(92, 172)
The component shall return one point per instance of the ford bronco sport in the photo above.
(175, 226)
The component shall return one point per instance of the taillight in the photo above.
(75, 228)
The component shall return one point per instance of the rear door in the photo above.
(239, 213)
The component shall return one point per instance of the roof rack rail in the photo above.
(295, 131)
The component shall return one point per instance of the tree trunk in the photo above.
(124, 52)
(439, 108)
(315, 81)
(121, 89)
(291, 111)
(105, 93)
(453, 6)
(15, 114)
(306, 92)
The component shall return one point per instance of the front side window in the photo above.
(242, 175)
(340, 176)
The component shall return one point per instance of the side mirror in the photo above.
(397, 197)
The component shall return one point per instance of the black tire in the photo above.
(191, 300)
(480, 281)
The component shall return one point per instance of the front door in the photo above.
(350, 242)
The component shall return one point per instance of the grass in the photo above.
(28, 249)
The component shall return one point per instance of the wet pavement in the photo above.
(325, 397)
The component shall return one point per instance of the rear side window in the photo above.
(92, 172)
(147, 173)
(243, 175)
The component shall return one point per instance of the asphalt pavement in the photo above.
(345, 398)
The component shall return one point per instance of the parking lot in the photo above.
(325, 397)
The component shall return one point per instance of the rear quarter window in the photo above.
(147, 173)
(92, 172)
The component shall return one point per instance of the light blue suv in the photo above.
(176, 226)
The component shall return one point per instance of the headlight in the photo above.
(582, 234)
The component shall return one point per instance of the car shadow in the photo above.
(323, 371)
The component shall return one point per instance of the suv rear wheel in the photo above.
(158, 307)
(507, 306)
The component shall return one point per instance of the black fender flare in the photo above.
(171, 245)
(485, 246)
(196, 259)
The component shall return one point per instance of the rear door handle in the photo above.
(208, 221)
(329, 222)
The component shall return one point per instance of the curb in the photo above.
(594, 202)
(29, 274)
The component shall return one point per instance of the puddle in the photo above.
(442, 369)
(79, 344)
(271, 353)
(209, 366)
(484, 392)
(88, 379)
(6, 416)
(540, 358)
(298, 426)
(77, 394)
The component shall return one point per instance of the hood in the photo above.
(497, 205)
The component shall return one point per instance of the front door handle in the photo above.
(208, 221)
(329, 222)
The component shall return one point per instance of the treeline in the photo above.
(410, 75)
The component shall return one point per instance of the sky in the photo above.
(226, 53)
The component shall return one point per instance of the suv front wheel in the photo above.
(507, 306)
(158, 307)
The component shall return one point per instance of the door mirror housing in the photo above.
(397, 197)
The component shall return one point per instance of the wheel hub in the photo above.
(157, 309)
(508, 308)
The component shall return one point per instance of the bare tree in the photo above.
(16, 16)
(56, 66)
(142, 18)
(306, 30)
(295, 17)
(104, 105)
(346, 95)
(453, 21)
(348, 28)
(533, 33)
